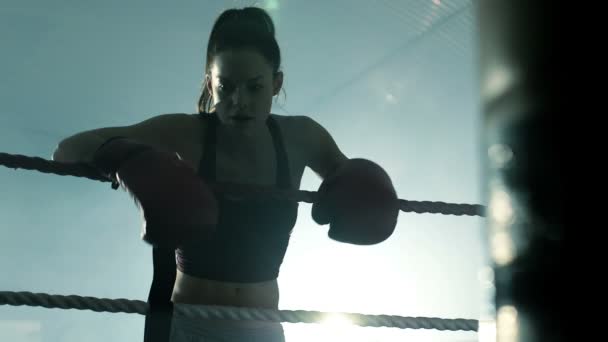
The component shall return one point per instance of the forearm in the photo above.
(81, 147)
(78, 148)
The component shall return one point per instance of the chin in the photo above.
(245, 125)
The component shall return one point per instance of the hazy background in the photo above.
(393, 81)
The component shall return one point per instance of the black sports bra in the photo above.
(252, 235)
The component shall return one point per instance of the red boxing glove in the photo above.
(359, 202)
(176, 204)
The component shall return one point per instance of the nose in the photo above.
(239, 97)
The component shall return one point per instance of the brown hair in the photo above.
(249, 27)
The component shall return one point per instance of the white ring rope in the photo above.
(232, 313)
(226, 312)
(84, 170)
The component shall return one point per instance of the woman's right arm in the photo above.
(164, 131)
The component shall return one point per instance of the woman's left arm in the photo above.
(323, 155)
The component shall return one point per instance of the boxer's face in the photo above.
(242, 83)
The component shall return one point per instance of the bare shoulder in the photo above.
(318, 147)
(173, 120)
(182, 127)
(174, 131)
(298, 127)
(173, 126)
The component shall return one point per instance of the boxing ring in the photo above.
(223, 312)
(522, 180)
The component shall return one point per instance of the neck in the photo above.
(251, 131)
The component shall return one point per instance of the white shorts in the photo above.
(185, 329)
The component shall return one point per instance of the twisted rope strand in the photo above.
(232, 313)
(236, 190)
(219, 312)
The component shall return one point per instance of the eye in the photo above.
(224, 88)
(255, 87)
